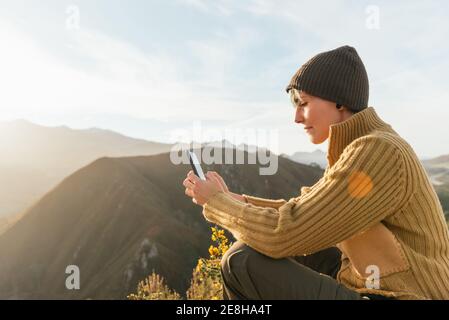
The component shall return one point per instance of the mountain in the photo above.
(8, 221)
(35, 158)
(316, 157)
(441, 161)
(229, 145)
(118, 219)
(438, 171)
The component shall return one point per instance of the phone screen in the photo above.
(196, 165)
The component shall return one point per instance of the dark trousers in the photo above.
(250, 275)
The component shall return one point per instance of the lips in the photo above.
(307, 128)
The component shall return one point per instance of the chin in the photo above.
(316, 140)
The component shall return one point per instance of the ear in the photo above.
(346, 109)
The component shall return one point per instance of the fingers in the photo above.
(219, 179)
(215, 175)
(188, 183)
(189, 192)
(193, 177)
(211, 175)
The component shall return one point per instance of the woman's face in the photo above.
(317, 115)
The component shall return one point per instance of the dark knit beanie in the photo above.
(337, 75)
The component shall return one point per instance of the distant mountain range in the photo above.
(438, 171)
(118, 219)
(438, 161)
(35, 158)
(316, 157)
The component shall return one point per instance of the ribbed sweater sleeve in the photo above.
(261, 202)
(363, 187)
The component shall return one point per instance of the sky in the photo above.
(204, 70)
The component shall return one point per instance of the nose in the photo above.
(299, 116)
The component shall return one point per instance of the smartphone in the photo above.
(196, 165)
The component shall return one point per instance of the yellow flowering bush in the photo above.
(154, 288)
(206, 282)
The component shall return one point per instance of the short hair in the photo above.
(296, 99)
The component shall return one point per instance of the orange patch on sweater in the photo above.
(360, 184)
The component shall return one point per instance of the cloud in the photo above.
(104, 74)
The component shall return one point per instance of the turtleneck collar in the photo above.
(343, 133)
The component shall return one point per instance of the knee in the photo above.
(238, 252)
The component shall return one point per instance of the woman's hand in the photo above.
(202, 190)
(225, 189)
(220, 180)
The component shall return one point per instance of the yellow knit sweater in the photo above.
(374, 202)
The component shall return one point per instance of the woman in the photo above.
(371, 227)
